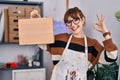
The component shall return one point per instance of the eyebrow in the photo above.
(75, 18)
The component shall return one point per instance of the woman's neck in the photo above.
(79, 35)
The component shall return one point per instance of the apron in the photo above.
(73, 65)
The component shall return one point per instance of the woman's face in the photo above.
(75, 25)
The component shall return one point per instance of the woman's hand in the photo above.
(34, 14)
(100, 25)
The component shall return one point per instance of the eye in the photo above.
(76, 19)
(69, 21)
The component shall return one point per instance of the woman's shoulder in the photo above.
(62, 36)
(91, 41)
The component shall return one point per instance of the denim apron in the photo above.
(73, 65)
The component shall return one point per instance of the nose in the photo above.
(72, 24)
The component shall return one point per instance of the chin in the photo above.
(77, 31)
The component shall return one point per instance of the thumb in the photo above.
(94, 26)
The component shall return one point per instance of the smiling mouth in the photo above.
(75, 28)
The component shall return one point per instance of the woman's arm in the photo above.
(109, 53)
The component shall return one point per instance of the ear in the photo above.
(83, 21)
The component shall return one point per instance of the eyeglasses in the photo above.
(75, 21)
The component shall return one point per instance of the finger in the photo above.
(96, 28)
(98, 17)
(97, 24)
(103, 18)
(94, 25)
(34, 12)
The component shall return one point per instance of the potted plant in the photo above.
(104, 72)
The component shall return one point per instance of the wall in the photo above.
(90, 9)
(56, 9)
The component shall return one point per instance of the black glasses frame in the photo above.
(75, 21)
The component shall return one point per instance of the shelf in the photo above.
(21, 3)
(18, 68)
(9, 43)
(40, 4)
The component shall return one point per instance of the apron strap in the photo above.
(86, 46)
(86, 49)
(85, 40)
(68, 42)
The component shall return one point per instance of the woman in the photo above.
(73, 54)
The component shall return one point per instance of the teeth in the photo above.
(74, 28)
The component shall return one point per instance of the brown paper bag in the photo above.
(36, 31)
